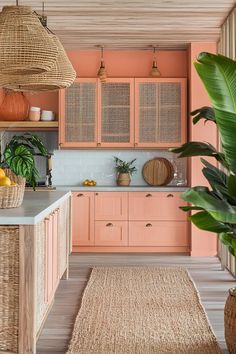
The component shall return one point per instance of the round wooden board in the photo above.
(158, 171)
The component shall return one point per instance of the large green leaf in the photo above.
(196, 148)
(219, 209)
(204, 221)
(218, 74)
(206, 113)
(214, 175)
(20, 160)
(232, 185)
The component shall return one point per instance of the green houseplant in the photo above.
(19, 153)
(216, 206)
(124, 171)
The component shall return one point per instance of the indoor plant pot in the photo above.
(230, 321)
(123, 179)
(124, 171)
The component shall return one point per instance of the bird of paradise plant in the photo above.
(216, 206)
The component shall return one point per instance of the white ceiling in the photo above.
(133, 23)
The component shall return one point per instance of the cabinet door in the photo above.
(116, 113)
(158, 233)
(78, 114)
(156, 206)
(160, 112)
(111, 233)
(111, 206)
(83, 219)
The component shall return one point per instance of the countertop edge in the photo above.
(24, 220)
(122, 189)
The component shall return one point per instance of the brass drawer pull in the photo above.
(109, 224)
(80, 195)
(98, 144)
(148, 225)
(96, 193)
(148, 195)
(170, 196)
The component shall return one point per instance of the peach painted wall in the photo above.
(203, 243)
(129, 63)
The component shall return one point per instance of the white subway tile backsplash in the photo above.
(72, 167)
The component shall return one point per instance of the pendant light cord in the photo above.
(17, 3)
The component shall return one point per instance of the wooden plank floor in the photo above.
(211, 281)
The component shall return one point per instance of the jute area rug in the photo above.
(141, 310)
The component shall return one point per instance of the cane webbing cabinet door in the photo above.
(78, 114)
(160, 112)
(116, 113)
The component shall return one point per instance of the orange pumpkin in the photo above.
(14, 106)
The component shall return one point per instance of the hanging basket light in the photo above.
(61, 76)
(155, 72)
(102, 74)
(25, 45)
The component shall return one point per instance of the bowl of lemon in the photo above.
(12, 189)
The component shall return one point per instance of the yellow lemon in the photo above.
(5, 181)
(2, 173)
(14, 184)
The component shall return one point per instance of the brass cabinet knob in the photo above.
(96, 193)
(148, 195)
(148, 225)
(98, 144)
(109, 224)
(170, 195)
(80, 195)
(135, 144)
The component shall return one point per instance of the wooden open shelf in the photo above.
(28, 125)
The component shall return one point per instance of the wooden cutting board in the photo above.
(158, 171)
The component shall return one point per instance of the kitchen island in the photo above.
(35, 241)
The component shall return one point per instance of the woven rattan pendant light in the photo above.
(25, 46)
(155, 72)
(102, 74)
(62, 75)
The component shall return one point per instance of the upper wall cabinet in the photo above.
(123, 113)
(116, 113)
(160, 112)
(78, 114)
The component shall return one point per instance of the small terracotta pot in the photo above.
(123, 179)
(230, 321)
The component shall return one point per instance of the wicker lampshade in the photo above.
(25, 45)
(62, 75)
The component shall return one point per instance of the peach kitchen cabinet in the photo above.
(95, 114)
(83, 219)
(116, 113)
(111, 206)
(78, 114)
(156, 220)
(160, 112)
(111, 219)
(113, 233)
(133, 222)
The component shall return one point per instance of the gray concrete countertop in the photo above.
(35, 207)
(122, 189)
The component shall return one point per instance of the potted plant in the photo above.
(17, 165)
(216, 206)
(124, 171)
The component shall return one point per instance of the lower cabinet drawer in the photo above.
(161, 233)
(111, 233)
